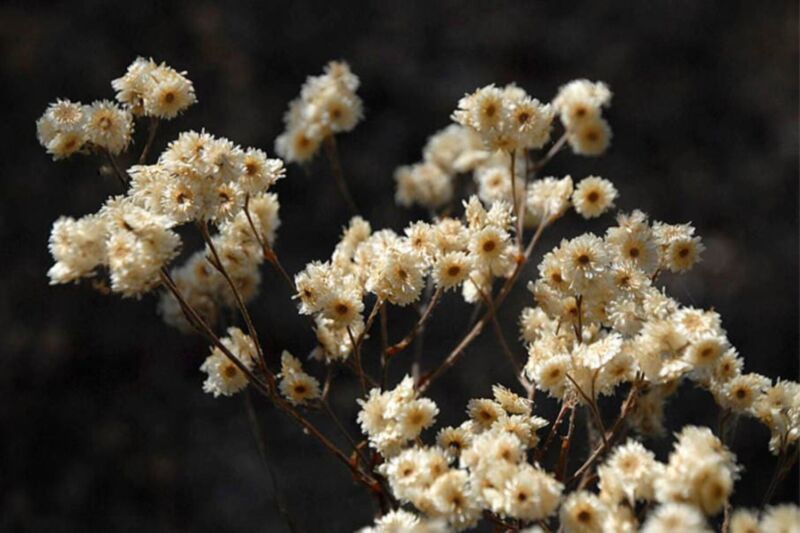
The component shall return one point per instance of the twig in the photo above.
(269, 253)
(122, 176)
(501, 338)
(332, 152)
(455, 354)
(409, 338)
(359, 368)
(566, 442)
(338, 423)
(200, 325)
(268, 390)
(512, 169)
(152, 128)
(784, 465)
(625, 409)
(370, 320)
(539, 453)
(592, 405)
(557, 146)
(217, 263)
(384, 346)
(261, 444)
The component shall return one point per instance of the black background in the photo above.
(104, 422)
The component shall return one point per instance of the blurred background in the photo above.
(105, 425)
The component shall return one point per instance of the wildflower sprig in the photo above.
(600, 323)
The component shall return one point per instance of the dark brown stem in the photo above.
(370, 320)
(384, 346)
(338, 423)
(200, 325)
(625, 409)
(122, 176)
(217, 263)
(409, 338)
(566, 443)
(592, 405)
(359, 368)
(539, 453)
(269, 253)
(557, 146)
(269, 390)
(261, 444)
(455, 354)
(514, 200)
(786, 461)
(501, 338)
(332, 152)
(152, 128)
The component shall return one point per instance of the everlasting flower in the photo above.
(224, 376)
(593, 196)
(328, 104)
(583, 512)
(155, 90)
(60, 129)
(672, 517)
(424, 184)
(295, 385)
(108, 126)
(781, 519)
(451, 269)
(580, 101)
(78, 247)
(591, 137)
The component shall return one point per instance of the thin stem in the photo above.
(523, 196)
(370, 320)
(312, 430)
(539, 454)
(566, 442)
(326, 387)
(512, 169)
(261, 444)
(384, 346)
(268, 390)
(359, 368)
(592, 405)
(455, 354)
(200, 325)
(122, 176)
(338, 423)
(557, 146)
(784, 465)
(217, 263)
(626, 408)
(501, 338)
(269, 253)
(332, 152)
(152, 128)
(409, 338)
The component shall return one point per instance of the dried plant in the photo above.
(600, 325)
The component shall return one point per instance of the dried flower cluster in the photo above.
(601, 326)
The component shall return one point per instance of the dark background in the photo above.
(104, 423)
